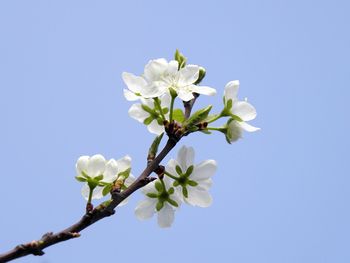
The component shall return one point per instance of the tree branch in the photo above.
(189, 105)
(103, 210)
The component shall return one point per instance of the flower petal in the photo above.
(124, 163)
(97, 193)
(188, 75)
(130, 96)
(172, 67)
(166, 216)
(185, 157)
(204, 170)
(231, 90)
(129, 180)
(82, 164)
(111, 171)
(155, 69)
(134, 83)
(185, 94)
(234, 131)
(247, 127)
(136, 112)
(149, 188)
(96, 165)
(155, 128)
(244, 110)
(203, 90)
(146, 208)
(198, 197)
(85, 190)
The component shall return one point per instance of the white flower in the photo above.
(97, 171)
(146, 112)
(158, 200)
(244, 110)
(160, 76)
(193, 181)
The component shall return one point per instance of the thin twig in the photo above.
(189, 105)
(36, 247)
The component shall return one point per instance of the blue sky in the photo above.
(280, 195)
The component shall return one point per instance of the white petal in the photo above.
(130, 96)
(96, 165)
(150, 187)
(166, 216)
(204, 170)
(155, 89)
(244, 110)
(155, 128)
(82, 164)
(146, 208)
(231, 90)
(185, 157)
(111, 171)
(188, 75)
(136, 112)
(185, 95)
(247, 127)
(203, 90)
(85, 190)
(129, 180)
(165, 100)
(199, 198)
(173, 67)
(124, 163)
(155, 69)
(235, 131)
(205, 184)
(97, 193)
(134, 83)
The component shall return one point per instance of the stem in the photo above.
(220, 129)
(100, 212)
(170, 175)
(159, 107)
(171, 108)
(216, 117)
(90, 195)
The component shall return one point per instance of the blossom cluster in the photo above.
(180, 181)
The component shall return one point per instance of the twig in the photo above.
(36, 247)
(189, 105)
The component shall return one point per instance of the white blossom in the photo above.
(244, 110)
(152, 119)
(91, 168)
(148, 207)
(193, 186)
(160, 76)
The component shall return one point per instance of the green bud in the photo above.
(152, 152)
(201, 75)
(179, 57)
(173, 93)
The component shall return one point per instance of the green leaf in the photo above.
(98, 178)
(178, 115)
(184, 191)
(159, 205)
(192, 183)
(178, 170)
(148, 120)
(171, 190)
(179, 57)
(229, 104)
(189, 171)
(165, 110)
(172, 202)
(107, 189)
(158, 186)
(148, 109)
(125, 173)
(152, 151)
(152, 195)
(80, 179)
(197, 117)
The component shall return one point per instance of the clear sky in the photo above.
(281, 195)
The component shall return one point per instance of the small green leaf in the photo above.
(158, 186)
(197, 117)
(171, 190)
(184, 191)
(180, 58)
(172, 202)
(189, 171)
(152, 195)
(159, 205)
(192, 183)
(80, 179)
(148, 109)
(229, 104)
(107, 189)
(201, 75)
(176, 183)
(152, 151)
(178, 170)
(165, 110)
(125, 173)
(99, 178)
(178, 115)
(148, 120)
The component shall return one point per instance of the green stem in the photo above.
(163, 184)
(171, 108)
(216, 117)
(157, 104)
(220, 129)
(90, 195)
(170, 175)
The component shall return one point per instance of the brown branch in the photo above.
(104, 210)
(189, 105)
